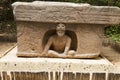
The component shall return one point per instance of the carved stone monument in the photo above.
(61, 30)
(65, 30)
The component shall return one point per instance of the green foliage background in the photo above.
(7, 23)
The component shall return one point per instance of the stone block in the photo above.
(40, 11)
(37, 21)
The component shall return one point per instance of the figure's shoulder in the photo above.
(53, 37)
(68, 37)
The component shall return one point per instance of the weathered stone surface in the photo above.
(55, 68)
(32, 37)
(12, 63)
(66, 13)
(37, 21)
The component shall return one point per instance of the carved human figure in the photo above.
(60, 43)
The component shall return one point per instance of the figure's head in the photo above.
(60, 29)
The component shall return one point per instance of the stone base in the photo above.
(17, 68)
(11, 62)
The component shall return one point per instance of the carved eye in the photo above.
(60, 27)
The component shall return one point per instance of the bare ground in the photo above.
(112, 55)
(6, 47)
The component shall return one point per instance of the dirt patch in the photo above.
(5, 47)
(112, 55)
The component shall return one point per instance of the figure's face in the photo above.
(60, 29)
(60, 33)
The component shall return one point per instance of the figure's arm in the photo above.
(47, 46)
(67, 47)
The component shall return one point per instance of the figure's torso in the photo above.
(59, 43)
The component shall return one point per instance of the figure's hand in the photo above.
(65, 53)
(44, 54)
(71, 54)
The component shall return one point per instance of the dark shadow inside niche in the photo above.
(71, 34)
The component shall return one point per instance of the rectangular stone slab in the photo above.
(11, 62)
(42, 68)
(40, 11)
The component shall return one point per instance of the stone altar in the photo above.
(30, 27)
(37, 21)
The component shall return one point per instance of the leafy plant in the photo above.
(113, 32)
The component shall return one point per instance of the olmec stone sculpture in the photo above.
(60, 43)
(65, 30)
